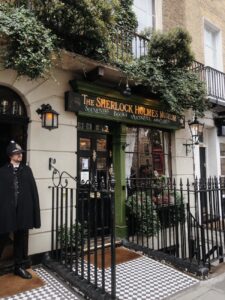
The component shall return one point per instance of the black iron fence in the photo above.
(183, 220)
(83, 235)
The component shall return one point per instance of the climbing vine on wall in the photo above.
(28, 44)
(34, 29)
(165, 72)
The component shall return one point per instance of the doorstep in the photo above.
(54, 289)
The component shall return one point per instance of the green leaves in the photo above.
(164, 72)
(30, 44)
(81, 26)
(85, 27)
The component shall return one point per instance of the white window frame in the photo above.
(153, 14)
(218, 39)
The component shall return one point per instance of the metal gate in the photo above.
(82, 248)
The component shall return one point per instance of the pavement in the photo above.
(210, 289)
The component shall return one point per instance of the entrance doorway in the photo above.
(13, 126)
(94, 168)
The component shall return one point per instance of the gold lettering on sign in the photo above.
(144, 111)
(121, 109)
(165, 115)
(113, 105)
(88, 101)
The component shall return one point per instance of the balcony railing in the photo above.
(126, 46)
(214, 79)
(215, 82)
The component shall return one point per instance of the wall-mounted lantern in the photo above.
(49, 117)
(196, 129)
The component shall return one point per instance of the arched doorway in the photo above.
(13, 121)
(13, 126)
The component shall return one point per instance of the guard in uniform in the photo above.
(19, 206)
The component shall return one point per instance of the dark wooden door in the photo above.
(94, 165)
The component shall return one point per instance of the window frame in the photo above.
(218, 60)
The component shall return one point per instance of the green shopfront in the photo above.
(128, 136)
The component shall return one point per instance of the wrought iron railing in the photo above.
(214, 79)
(185, 221)
(215, 83)
(83, 234)
(125, 46)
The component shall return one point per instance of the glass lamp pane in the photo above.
(48, 119)
(55, 120)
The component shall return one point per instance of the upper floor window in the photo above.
(145, 13)
(212, 46)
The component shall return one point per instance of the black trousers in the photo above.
(20, 247)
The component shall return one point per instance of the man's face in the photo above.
(16, 158)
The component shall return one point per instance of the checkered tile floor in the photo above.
(139, 279)
(52, 290)
(145, 279)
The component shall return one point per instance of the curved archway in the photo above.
(13, 121)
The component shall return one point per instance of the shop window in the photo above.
(98, 127)
(147, 151)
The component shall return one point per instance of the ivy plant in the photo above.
(35, 28)
(141, 214)
(125, 16)
(165, 72)
(81, 26)
(29, 43)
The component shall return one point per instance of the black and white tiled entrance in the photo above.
(145, 279)
(52, 290)
(139, 279)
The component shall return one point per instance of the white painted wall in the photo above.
(184, 165)
(42, 144)
(213, 152)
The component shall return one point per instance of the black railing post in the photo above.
(103, 199)
(57, 223)
(176, 220)
(203, 245)
(188, 219)
(113, 242)
(222, 199)
(53, 223)
(95, 193)
(89, 234)
(71, 229)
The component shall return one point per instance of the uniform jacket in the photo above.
(18, 209)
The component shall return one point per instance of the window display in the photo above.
(147, 151)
